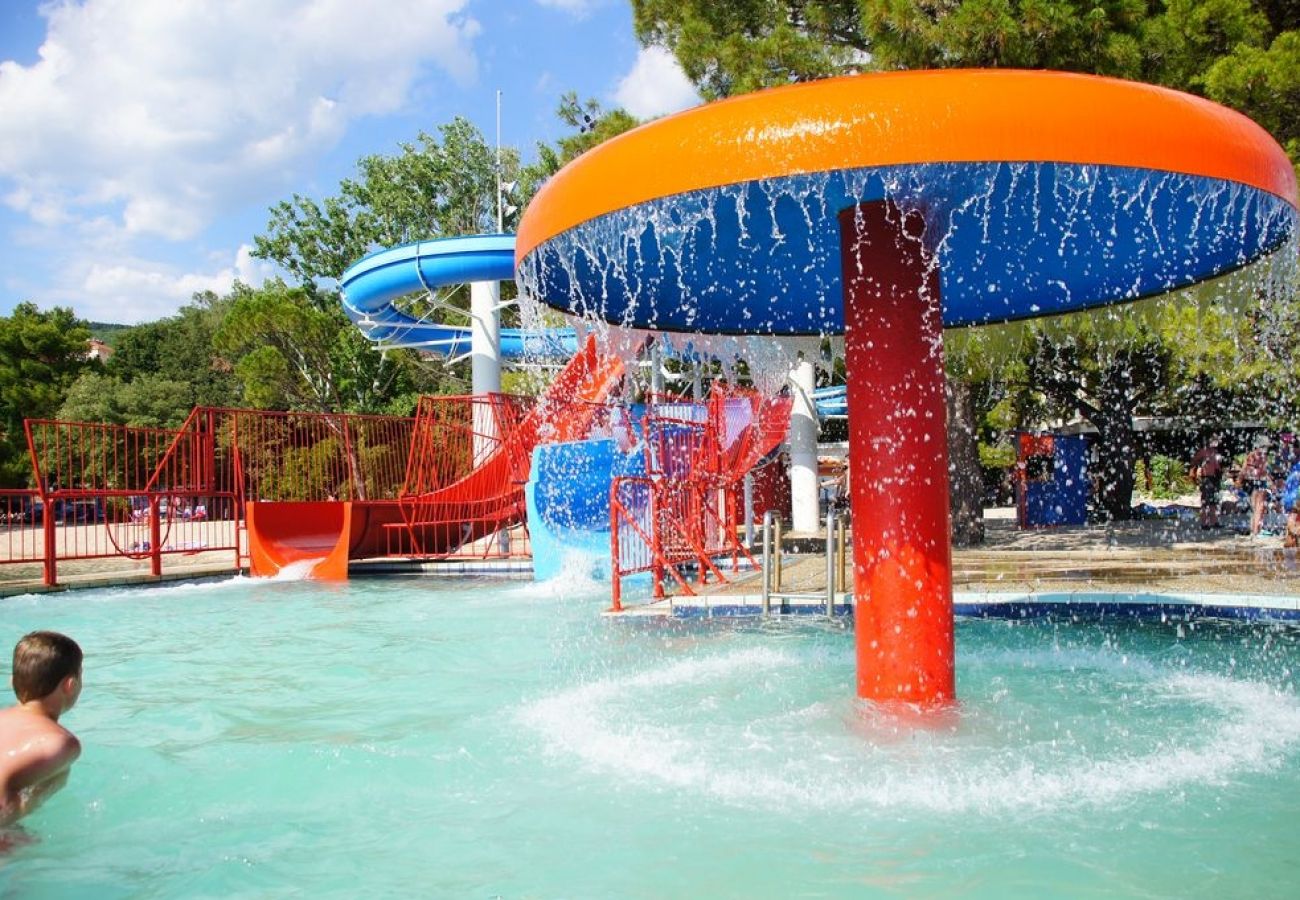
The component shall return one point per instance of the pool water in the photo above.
(407, 737)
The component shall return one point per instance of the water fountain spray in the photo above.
(886, 208)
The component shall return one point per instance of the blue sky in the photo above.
(142, 141)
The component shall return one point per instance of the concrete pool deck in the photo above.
(1158, 566)
(1151, 564)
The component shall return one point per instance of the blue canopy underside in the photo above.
(1022, 240)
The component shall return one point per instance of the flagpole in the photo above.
(500, 218)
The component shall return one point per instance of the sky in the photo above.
(142, 142)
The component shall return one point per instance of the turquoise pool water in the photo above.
(404, 737)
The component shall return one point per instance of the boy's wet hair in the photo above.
(42, 660)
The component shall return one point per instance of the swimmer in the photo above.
(35, 750)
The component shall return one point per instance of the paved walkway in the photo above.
(1161, 556)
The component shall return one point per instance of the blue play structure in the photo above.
(1054, 486)
(568, 504)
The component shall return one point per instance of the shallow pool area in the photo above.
(488, 738)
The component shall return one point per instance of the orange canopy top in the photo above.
(909, 118)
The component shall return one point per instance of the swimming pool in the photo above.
(500, 738)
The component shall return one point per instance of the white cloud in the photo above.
(139, 291)
(655, 86)
(161, 115)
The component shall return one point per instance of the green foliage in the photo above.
(41, 355)
(1169, 478)
(293, 350)
(180, 349)
(1265, 82)
(437, 186)
(148, 401)
(107, 331)
(741, 46)
(997, 456)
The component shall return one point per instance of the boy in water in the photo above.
(35, 750)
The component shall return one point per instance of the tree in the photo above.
(1234, 51)
(41, 355)
(741, 46)
(148, 401)
(291, 353)
(179, 349)
(1266, 82)
(1106, 367)
(436, 187)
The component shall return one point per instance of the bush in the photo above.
(1169, 478)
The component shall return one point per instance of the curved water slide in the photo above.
(372, 286)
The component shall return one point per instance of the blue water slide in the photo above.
(831, 401)
(374, 283)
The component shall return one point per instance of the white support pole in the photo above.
(485, 359)
(485, 336)
(804, 506)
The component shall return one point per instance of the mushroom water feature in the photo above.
(888, 207)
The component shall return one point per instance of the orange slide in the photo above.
(330, 532)
(487, 500)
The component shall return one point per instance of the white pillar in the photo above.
(804, 507)
(485, 358)
(656, 370)
(485, 336)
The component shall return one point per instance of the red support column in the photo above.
(155, 534)
(51, 545)
(615, 559)
(902, 558)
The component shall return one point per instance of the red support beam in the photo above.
(902, 559)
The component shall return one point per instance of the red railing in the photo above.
(669, 527)
(464, 489)
(684, 513)
(120, 491)
(471, 457)
(22, 538)
(145, 493)
(297, 456)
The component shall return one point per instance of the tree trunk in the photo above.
(1116, 444)
(965, 477)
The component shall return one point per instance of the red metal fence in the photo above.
(21, 516)
(683, 514)
(106, 491)
(463, 491)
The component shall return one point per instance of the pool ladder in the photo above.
(836, 561)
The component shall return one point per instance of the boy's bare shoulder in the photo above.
(35, 736)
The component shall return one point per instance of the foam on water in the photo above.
(580, 572)
(297, 571)
(813, 755)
